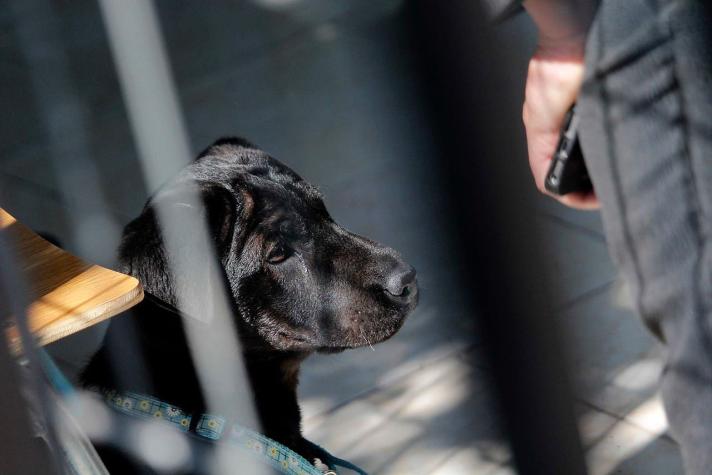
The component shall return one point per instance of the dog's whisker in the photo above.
(366, 339)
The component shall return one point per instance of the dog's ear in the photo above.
(175, 220)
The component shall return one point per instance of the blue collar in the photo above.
(208, 426)
(214, 427)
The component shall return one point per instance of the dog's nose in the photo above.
(401, 285)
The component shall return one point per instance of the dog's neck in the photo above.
(146, 351)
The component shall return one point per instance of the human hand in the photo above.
(553, 82)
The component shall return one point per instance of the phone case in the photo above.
(568, 173)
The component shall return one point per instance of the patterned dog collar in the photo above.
(213, 427)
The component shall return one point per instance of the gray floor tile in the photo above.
(35, 206)
(115, 168)
(616, 362)
(219, 36)
(21, 125)
(90, 230)
(358, 372)
(615, 446)
(415, 424)
(472, 461)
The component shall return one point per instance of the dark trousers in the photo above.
(646, 109)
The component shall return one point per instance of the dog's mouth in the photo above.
(294, 341)
(365, 333)
(357, 328)
(292, 337)
(333, 349)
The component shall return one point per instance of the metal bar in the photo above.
(157, 125)
(21, 448)
(476, 109)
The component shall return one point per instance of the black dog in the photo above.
(299, 284)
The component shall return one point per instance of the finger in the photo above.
(540, 148)
(540, 162)
(582, 201)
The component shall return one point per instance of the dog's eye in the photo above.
(279, 253)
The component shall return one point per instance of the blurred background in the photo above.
(337, 90)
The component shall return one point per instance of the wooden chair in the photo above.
(66, 294)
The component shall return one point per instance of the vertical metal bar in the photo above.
(15, 436)
(148, 88)
(20, 445)
(157, 125)
(476, 108)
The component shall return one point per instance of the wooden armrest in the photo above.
(66, 294)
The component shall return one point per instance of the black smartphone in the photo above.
(567, 173)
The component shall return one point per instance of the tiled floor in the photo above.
(328, 87)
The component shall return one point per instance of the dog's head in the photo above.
(298, 281)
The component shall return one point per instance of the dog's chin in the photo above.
(289, 341)
(365, 341)
(333, 349)
(376, 329)
(358, 337)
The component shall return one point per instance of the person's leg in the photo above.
(646, 110)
